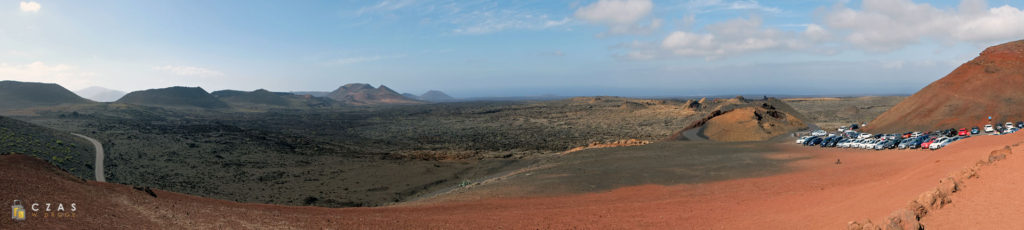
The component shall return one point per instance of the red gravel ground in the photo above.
(818, 194)
(992, 201)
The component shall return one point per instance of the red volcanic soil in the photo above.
(989, 85)
(992, 201)
(818, 194)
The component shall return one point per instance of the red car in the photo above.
(963, 132)
(927, 143)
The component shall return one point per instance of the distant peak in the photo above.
(352, 86)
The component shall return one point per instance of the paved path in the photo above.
(99, 157)
(695, 134)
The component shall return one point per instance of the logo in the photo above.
(17, 211)
(44, 210)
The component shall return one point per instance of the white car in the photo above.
(915, 134)
(1009, 125)
(864, 135)
(841, 129)
(989, 129)
(819, 133)
(939, 144)
(802, 139)
(866, 144)
(850, 144)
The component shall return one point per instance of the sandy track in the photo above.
(99, 157)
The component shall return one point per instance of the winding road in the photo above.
(99, 157)
(695, 134)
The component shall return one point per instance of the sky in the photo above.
(485, 48)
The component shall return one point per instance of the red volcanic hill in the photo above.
(990, 85)
(365, 94)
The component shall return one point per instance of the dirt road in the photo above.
(99, 157)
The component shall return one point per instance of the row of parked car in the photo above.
(910, 140)
(879, 142)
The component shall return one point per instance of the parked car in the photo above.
(963, 132)
(916, 143)
(841, 129)
(892, 144)
(1020, 124)
(937, 143)
(903, 144)
(802, 139)
(864, 135)
(916, 134)
(925, 144)
(813, 141)
(825, 141)
(1009, 125)
(882, 145)
(989, 129)
(819, 133)
(943, 143)
(975, 130)
(836, 142)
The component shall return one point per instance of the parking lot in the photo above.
(850, 138)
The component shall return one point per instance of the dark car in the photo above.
(854, 126)
(816, 141)
(892, 144)
(824, 142)
(1020, 124)
(975, 130)
(836, 142)
(813, 141)
(951, 132)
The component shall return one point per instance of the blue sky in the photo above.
(503, 48)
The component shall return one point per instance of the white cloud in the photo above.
(65, 75)
(485, 22)
(463, 17)
(385, 6)
(188, 71)
(706, 6)
(751, 5)
(30, 6)
(883, 25)
(621, 16)
(737, 36)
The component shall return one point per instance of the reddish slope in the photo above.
(989, 85)
(818, 195)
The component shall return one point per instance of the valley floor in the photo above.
(814, 193)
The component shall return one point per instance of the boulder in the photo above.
(866, 225)
(949, 185)
(1000, 154)
(917, 208)
(902, 219)
(934, 199)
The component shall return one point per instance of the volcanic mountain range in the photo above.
(20, 95)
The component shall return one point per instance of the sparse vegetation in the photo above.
(363, 156)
